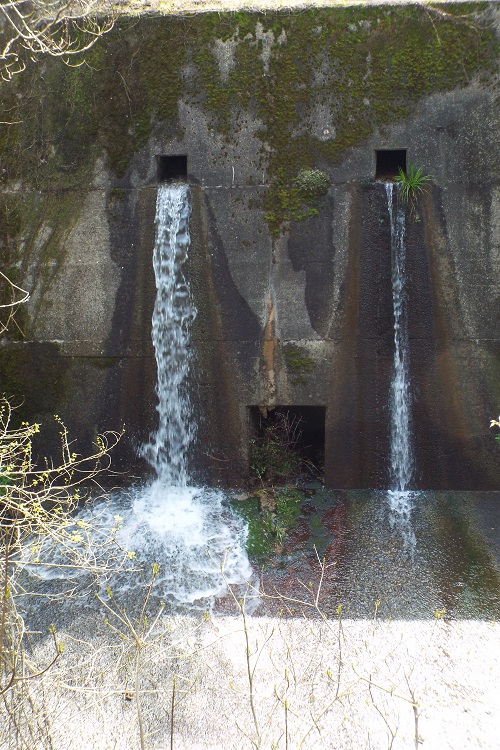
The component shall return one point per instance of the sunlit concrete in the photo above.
(351, 684)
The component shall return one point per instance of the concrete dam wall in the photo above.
(282, 123)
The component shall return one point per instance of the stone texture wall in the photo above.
(293, 293)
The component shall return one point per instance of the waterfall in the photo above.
(401, 450)
(401, 454)
(189, 532)
(172, 316)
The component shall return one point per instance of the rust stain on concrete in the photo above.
(269, 348)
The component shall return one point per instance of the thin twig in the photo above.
(172, 709)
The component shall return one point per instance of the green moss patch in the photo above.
(269, 522)
(298, 363)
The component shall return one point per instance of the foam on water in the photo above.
(191, 534)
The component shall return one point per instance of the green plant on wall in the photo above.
(313, 182)
(412, 184)
(274, 454)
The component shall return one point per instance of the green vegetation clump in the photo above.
(299, 199)
(313, 182)
(412, 184)
(288, 506)
(274, 454)
(277, 522)
(269, 525)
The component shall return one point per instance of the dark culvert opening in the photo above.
(287, 442)
(171, 168)
(389, 162)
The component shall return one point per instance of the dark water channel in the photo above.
(454, 564)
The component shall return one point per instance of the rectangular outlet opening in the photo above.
(388, 163)
(171, 168)
(287, 442)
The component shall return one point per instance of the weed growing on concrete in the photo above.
(275, 455)
(313, 181)
(279, 519)
(412, 184)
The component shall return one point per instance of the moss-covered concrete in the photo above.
(365, 67)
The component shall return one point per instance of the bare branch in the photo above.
(59, 28)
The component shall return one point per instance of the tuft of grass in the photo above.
(412, 183)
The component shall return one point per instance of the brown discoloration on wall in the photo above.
(218, 455)
(269, 347)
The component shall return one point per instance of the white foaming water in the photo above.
(190, 534)
(172, 316)
(401, 451)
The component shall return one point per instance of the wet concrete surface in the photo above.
(446, 560)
